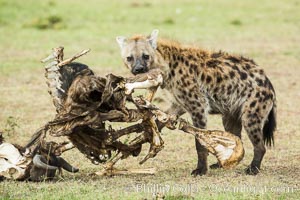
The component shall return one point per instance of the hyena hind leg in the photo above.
(254, 120)
(232, 124)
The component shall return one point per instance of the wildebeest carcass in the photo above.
(85, 102)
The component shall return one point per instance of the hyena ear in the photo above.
(153, 38)
(122, 41)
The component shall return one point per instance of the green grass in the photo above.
(267, 31)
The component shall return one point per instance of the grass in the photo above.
(267, 31)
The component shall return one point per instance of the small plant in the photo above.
(51, 3)
(236, 22)
(168, 21)
(11, 125)
(50, 22)
(138, 4)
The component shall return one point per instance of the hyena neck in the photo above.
(173, 53)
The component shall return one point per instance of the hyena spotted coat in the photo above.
(205, 82)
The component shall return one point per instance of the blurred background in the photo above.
(267, 31)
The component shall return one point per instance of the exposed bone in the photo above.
(114, 171)
(12, 164)
(27, 163)
(52, 67)
(157, 143)
(69, 60)
(227, 147)
(150, 80)
(65, 146)
(148, 83)
(57, 54)
(151, 93)
(109, 170)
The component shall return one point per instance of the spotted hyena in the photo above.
(204, 82)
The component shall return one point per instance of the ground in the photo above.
(267, 31)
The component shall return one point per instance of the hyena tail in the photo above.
(269, 127)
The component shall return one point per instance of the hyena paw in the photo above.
(252, 170)
(199, 172)
(215, 166)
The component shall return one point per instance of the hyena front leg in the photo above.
(196, 105)
(199, 121)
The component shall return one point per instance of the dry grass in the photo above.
(267, 31)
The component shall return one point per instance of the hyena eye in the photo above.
(129, 58)
(145, 57)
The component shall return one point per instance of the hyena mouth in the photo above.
(139, 70)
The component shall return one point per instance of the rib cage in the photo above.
(60, 78)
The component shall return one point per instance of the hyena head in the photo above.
(138, 53)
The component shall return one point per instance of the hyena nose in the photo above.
(138, 69)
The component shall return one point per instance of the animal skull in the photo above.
(14, 165)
